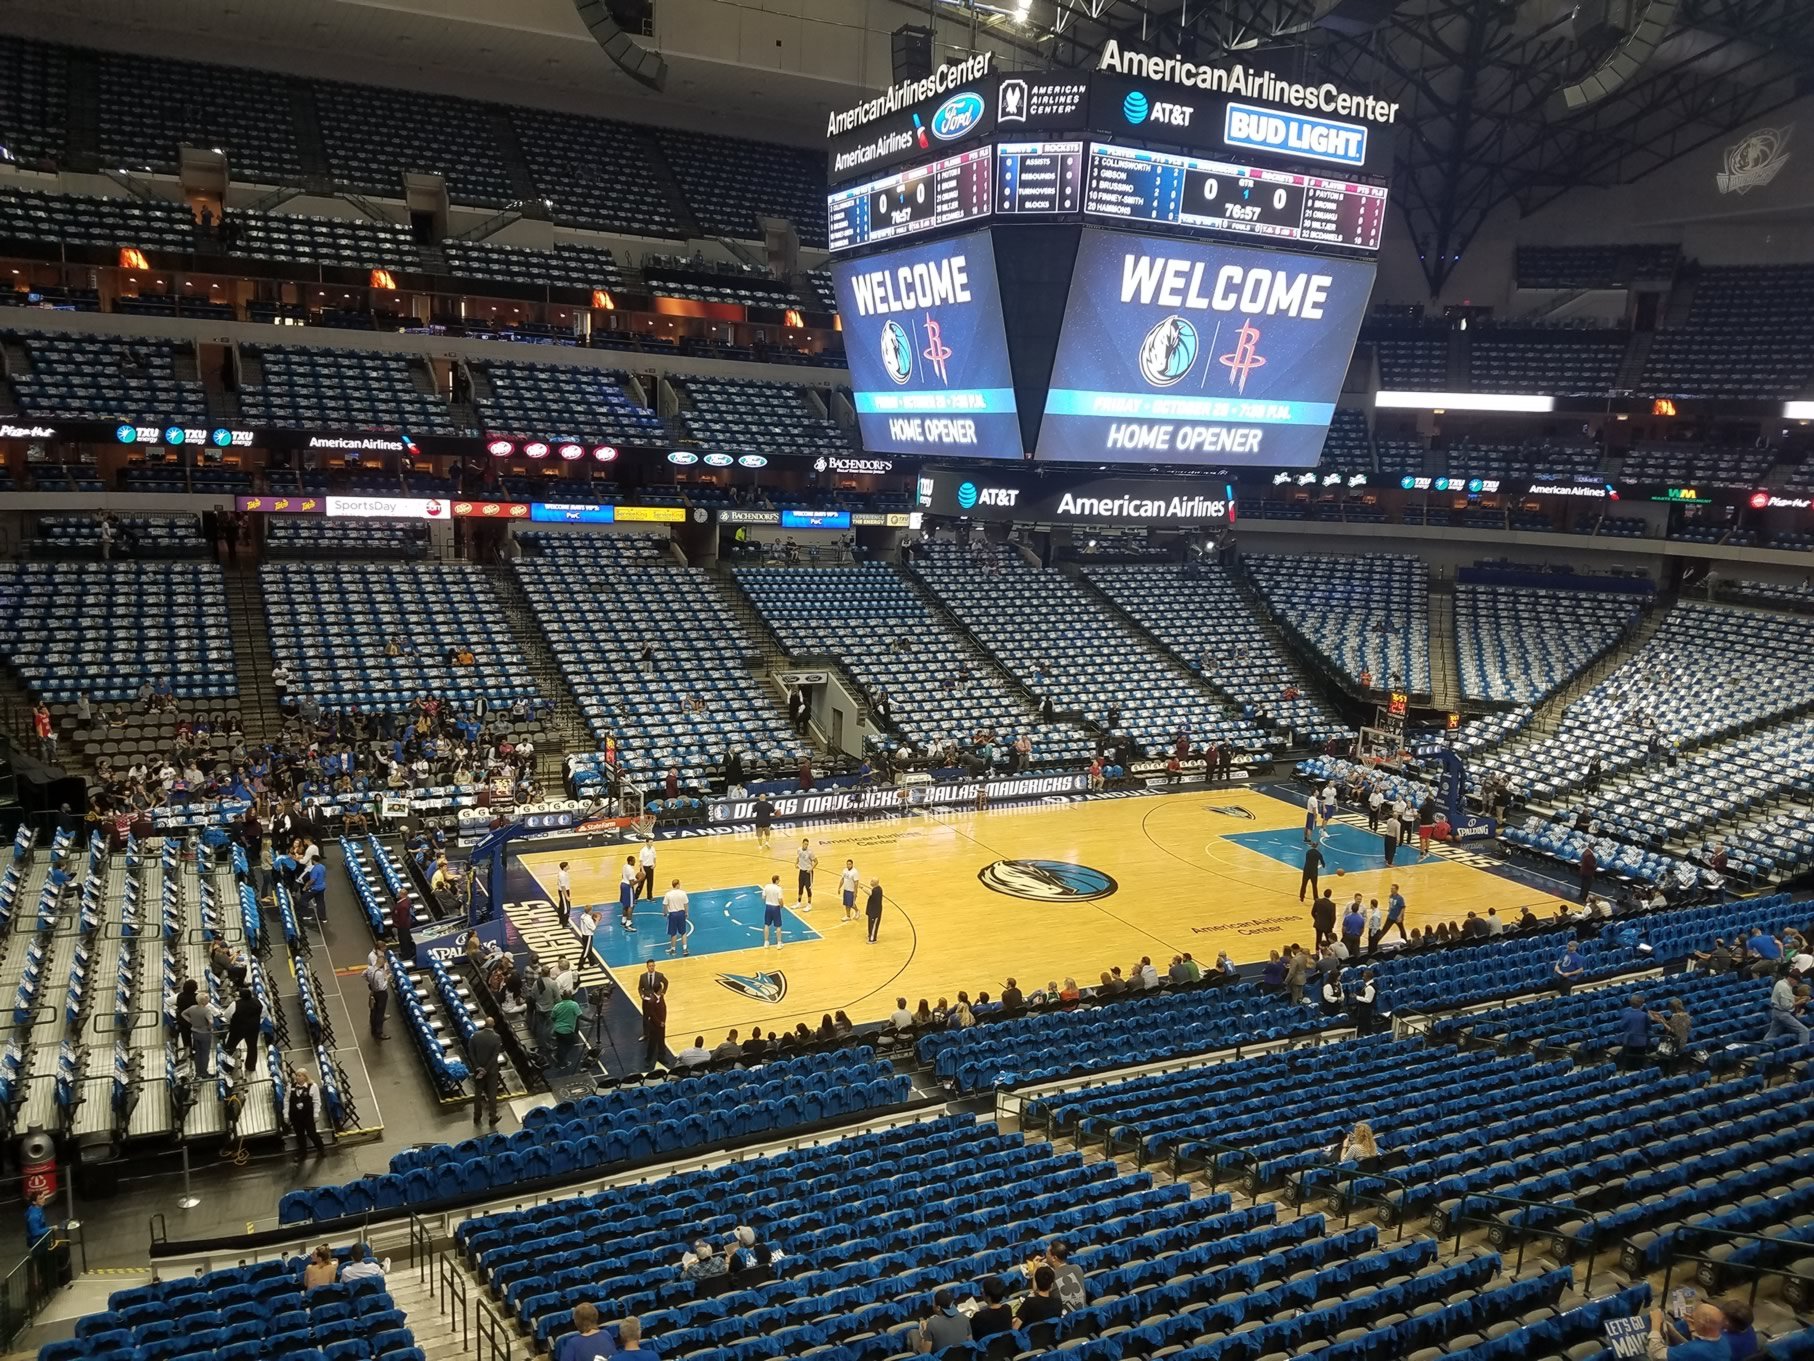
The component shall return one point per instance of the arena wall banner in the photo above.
(981, 494)
(888, 798)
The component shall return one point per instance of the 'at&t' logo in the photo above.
(957, 116)
(969, 494)
(1137, 108)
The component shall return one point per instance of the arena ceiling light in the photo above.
(1798, 411)
(1464, 401)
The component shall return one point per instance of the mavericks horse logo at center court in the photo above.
(768, 986)
(1049, 881)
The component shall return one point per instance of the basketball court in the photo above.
(1038, 892)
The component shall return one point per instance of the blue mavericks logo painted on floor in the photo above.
(1344, 847)
(1046, 881)
(769, 986)
(719, 920)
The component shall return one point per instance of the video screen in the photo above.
(1187, 352)
(927, 351)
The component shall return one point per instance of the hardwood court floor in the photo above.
(1078, 887)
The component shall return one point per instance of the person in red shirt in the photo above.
(45, 732)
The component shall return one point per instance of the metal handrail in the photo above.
(494, 1335)
(1757, 1273)
(450, 1298)
(1349, 1200)
(32, 1281)
(421, 1250)
(1461, 1221)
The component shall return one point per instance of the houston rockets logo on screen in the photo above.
(928, 353)
(1190, 352)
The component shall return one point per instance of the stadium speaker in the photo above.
(912, 53)
(632, 58)
(1644, 35)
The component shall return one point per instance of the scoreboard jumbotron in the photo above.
(1105, 268)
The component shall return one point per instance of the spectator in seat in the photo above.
(1042, 1305)
(1706, 1336)
(755, 1047)
(1741, 1335)
(1070, 992)
(694, 1054)
(1067, 1280)
(730, 1049)
(321, 1269)
(945, 1326)
(361, 1268)
(1787, 1002)
(1359, 1146)
(589, 1342)
(995, 1316)
(1012, 999)
(702, 1262)
(902, 1019)
(629, 1335)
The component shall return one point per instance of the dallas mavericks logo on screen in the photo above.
(897, 352)
(1050, 881)
(1134, 108)
(1168, 351)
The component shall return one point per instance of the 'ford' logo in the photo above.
(957, 116)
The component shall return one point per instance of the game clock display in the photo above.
(941, 193)
(1158, 187)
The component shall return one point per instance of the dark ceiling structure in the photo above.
(1502, 101)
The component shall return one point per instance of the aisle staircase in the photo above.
(1445, 660)
(252, 660)
(572, 735)
(1548, 716)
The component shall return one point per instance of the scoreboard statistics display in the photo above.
(1161, 188)
(1038, 177)
(1179, 351)
(941, 193)
(927, 350)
